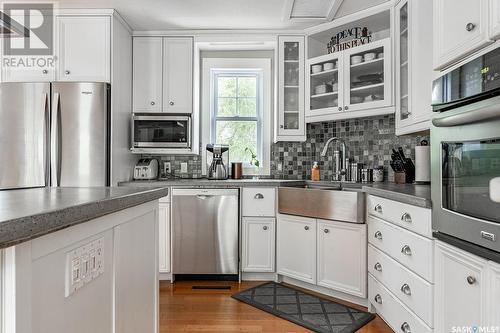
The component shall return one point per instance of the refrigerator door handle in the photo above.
(46, 136)
(55, 151)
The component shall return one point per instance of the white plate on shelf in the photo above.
(316, 68)
(357, 59)
(328, 66)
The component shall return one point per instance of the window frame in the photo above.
(259, 103)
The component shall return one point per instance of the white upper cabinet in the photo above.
(460, 289)
(296, 247)
(147, 74)
(177, 75)
(84, 48)
(460, 28)
(413, 66)
(336, 270)
(494, 19)
(350, 84)
(290, 118)
(163, 74)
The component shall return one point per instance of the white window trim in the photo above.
(210, 64)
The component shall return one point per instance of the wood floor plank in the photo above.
(183, 309)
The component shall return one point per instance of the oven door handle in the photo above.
(468, 114)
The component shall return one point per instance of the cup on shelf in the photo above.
(356, 99)
(380, 55)
(328, 66)
(369, 56)
(316, 68)
(357, 59)
(320, 89)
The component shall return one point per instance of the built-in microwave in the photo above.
(160, 131)
(465, 153)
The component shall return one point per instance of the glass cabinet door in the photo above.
(402, 63)
(325, 85)
(368, 76)
(291, 88)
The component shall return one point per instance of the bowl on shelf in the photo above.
(357, 59)
(321, 89)
(328, 66)
(380, 55)
(316, 68)
(369, 56)
(356, 99)
(335, 86)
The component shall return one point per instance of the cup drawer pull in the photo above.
(406, 250)
(405, 288)
(378, 235)
(378, 208)
(259, 196)
(406, 218)
(378, 267)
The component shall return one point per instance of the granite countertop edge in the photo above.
(26, 228)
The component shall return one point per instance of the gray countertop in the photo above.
(29, 213)
(417, 195)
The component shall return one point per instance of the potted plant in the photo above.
(254, 161)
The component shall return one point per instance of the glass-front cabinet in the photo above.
(402, 81)
(349, 84)
(290, 117)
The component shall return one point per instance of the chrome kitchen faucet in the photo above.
(339, 169)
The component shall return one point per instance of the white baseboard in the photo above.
(250, 276)
(165, 276)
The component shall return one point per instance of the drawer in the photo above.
(259, 201)
(412, 250)
(416, 219)
(409, 288)
(395, 313)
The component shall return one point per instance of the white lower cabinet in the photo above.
(296, 247)
(341, 256)
(258, 244)
(164, 237)
(494, 293)
(460, 289)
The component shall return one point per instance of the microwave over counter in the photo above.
(159, 131)
(465, 156)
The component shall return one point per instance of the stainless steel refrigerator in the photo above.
(54, 134)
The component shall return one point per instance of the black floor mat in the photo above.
(310, 311)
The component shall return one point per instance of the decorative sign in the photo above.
(348, 38)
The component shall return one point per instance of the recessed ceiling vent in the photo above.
(323, 10)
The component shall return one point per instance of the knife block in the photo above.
(400, 177)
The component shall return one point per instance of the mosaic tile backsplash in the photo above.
(368, 140)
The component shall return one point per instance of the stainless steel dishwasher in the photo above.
(205, 231)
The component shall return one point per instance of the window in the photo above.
(236, 109)
(237, 112)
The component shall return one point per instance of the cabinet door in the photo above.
(494, 295)
(337, 269)
(84, 48)
(460, 288)
(258, 245)
(147, 74)
(460, 27)
(296, 247)
(164, 237)
(178, 75)
(368, 78)
(494, 23)
(291, 122)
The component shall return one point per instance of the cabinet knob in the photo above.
(340, 108)
(471, 280)
(406, 218)
(45, 71)
(405, 328)
(378, 235)
(264, 227)
(378, 299)
(306, 228)
(378, 208)
(346, 108)
(470, 26)
(405, 288)
(67, 72)
(281, 126)
(171, 103)
(378, 267)
(259, 196)
(153, 103)
(406, 250)
(326, 231)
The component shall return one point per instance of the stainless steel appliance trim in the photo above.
(161, 144)
(468, 114)
(161, 117)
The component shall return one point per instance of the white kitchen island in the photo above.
(84, 260)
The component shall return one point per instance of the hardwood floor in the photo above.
(183, 309)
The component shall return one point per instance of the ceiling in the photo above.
(159, 15)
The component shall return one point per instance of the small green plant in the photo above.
(253, 158)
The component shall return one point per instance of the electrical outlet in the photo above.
(184, 167)
(280, 166)
(167, 168)
(83, 265)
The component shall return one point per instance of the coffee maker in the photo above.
(219, 161)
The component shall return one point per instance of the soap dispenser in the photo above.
(315, 175)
